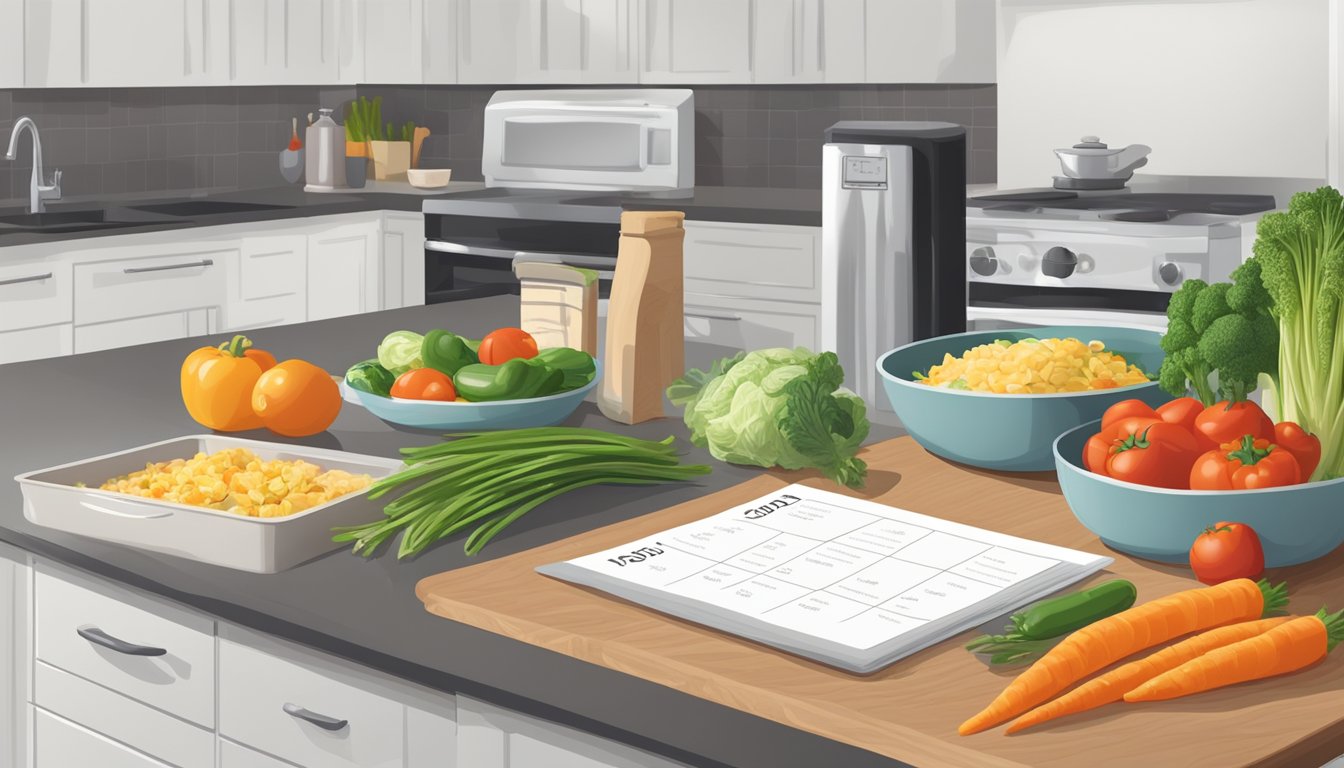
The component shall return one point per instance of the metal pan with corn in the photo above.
(997, 399)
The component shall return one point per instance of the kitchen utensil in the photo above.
(1009, 433)
(390, 159)
(53, 498)
(499, 414)
(291, 165)
(356, 171)
(1092, 159)
(558, 304)
(645, 345)
(326, 154)
(1295, 523)
(429, 178)
(417, 141)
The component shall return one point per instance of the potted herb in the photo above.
(360, 115)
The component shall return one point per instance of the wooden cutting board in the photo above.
(910, 710)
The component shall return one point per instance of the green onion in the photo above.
(490, 479)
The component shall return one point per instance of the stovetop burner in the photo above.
(1123, 206)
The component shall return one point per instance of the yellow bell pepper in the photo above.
(217, 384)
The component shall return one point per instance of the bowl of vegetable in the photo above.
(1295, 523)
(998, 399)
(443, 381)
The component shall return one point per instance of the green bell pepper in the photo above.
(446, 352)
(516, 379)
(577, 365)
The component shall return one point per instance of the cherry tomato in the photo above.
(1304, 446)
(1224, 422)
(1126, 409)
(1246, 465)
(1183, 411)
(1100, 446)
(502, 345)
(1227, 551)
(1159, 454)
(424, 384)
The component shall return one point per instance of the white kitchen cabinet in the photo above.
(283, 42)
(439, 50)
(744, 324)
(170, 292)
(493, 737)
(344, 271)
(490, 39)
(37, 343)
(237, 756)
(35, 293)
(393, 37)
(755, 261)
(94, 43)
(930, 41)
(807, 41)
(11, 44)
(15, 654)
(115, 334)
(403, 259)
(59, 743)
(581, 41)
(269, 286)
(695, 41)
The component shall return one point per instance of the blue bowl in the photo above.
(1008, 433)
(1295, 523)
(500, 414)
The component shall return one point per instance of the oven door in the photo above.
(457, 271)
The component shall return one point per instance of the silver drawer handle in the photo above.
(138, 270)
(31, 279)
(99, 637)
(714, 316)
(321, 721)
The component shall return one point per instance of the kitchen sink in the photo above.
(65, 221)
(206, 207)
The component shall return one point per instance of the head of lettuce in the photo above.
(777, 408)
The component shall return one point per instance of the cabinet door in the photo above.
(493, 737)
(439, 51)
(930, 41)
(393, 40)
(11, 44)
(59, 743)
(581, 41)
(344, 271)
(87, 42)
(696, 41)
(144, 330)
(490, 39)
(36, 343)
(15, 654)
(283, 41)
(403, 260)
(270, 285)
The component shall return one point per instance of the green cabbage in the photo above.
(399, 351)
(777, 407)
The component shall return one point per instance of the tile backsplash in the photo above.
(146, 140)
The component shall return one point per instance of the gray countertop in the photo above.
(729, 204)
(66, 409)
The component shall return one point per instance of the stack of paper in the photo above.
(847, 582)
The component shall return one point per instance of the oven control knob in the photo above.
(1169, 272)
(984, 262)
(1059, 262)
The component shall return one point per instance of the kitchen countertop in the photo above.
(65, 409)
(730, 204)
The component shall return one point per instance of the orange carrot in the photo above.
(1286, 648)
(1113, 685)
(1130, 631)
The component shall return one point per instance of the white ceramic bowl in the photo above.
(429, 178)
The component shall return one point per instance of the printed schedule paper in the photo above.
(847, 582)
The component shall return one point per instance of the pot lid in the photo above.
(1090, 142)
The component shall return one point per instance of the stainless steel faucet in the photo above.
(36, 192)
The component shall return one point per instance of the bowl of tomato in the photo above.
(1295, 523)
(964, 419)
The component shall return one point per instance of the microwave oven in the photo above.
(599, 139)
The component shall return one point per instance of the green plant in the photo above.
(363, 119)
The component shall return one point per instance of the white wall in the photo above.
(1215, 87)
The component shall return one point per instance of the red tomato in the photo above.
(1224, 422)
(1103, 444)
(1304, 446)
(502, 345)
(1246, 465)
(424, 384)
(1127, 409)
(1160, 455)
(1227, 551)
(1183, 411)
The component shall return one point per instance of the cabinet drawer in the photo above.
(142, 728)
(275, 703)
(59, 743)
(753, 261)
(34, 294)
(36, 343)
(263, 313)
(115, 290)
(181, 680)
(237, 756)
(748, 325)
(143, 330)
(273, 266)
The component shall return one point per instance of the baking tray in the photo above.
(53, 498)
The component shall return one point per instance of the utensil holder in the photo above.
(391, 159)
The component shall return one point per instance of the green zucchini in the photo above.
(1032, 632)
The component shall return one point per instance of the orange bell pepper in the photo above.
(217, 384)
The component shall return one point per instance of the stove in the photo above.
(1112, 257)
